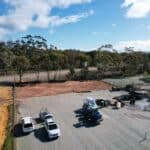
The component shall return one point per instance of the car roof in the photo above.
(141, 92)
(48, 114)
(90, 101)
(49, 120)
(27, 120)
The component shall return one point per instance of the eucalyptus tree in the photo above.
(21, 64)
(59, 61)
(104, 61)
(83, 59)
(6, 57)
(34, 47)
(46, 63)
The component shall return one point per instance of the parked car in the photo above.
(139, 94)
(44, 114)
(115, 88)
(102, 103)
(27, 124)
(51, 128)
(131, 96)
(130, 88)
(122, 97)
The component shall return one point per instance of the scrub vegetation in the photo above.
(33, 54)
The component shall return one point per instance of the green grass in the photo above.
(9, 139)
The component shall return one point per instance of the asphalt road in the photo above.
(122, 129)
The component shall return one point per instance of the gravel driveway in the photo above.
(122, 129)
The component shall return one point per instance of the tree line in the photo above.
(32, 53)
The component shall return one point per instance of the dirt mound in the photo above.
(45, 89)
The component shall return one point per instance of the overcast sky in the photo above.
(80, 24)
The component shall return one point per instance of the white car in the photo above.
(27, 124)
(51, 128)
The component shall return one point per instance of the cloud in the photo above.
(23, 14)
(139, 45)
(137, 8)
(57, 20)
(3, 32)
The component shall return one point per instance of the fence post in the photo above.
(13, 113)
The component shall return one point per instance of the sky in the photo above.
(79, 24)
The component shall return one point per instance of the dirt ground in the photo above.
(45, 89)
(5, 95)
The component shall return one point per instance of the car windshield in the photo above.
(44, 113)
(52, 126)
(28, 125)
(48, 117)
(92, 104)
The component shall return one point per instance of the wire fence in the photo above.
(44, 76)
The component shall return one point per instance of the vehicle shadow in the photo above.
(131, 96)
(38, 120)
(6, 83)
(145, 80)
(17, 132)
(78, 111)
(42, 136)
(83, 121)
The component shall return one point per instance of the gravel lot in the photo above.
(136, 80)
(122, 129)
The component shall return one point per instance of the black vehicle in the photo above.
(102, 103)
(114, 88)
(132, 97)
(44, 115)
(90, 111)
(130, 88)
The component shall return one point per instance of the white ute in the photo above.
(51, 128)
(27, 124)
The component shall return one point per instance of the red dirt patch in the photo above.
(45, 89)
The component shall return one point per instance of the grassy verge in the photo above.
(8, 143)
